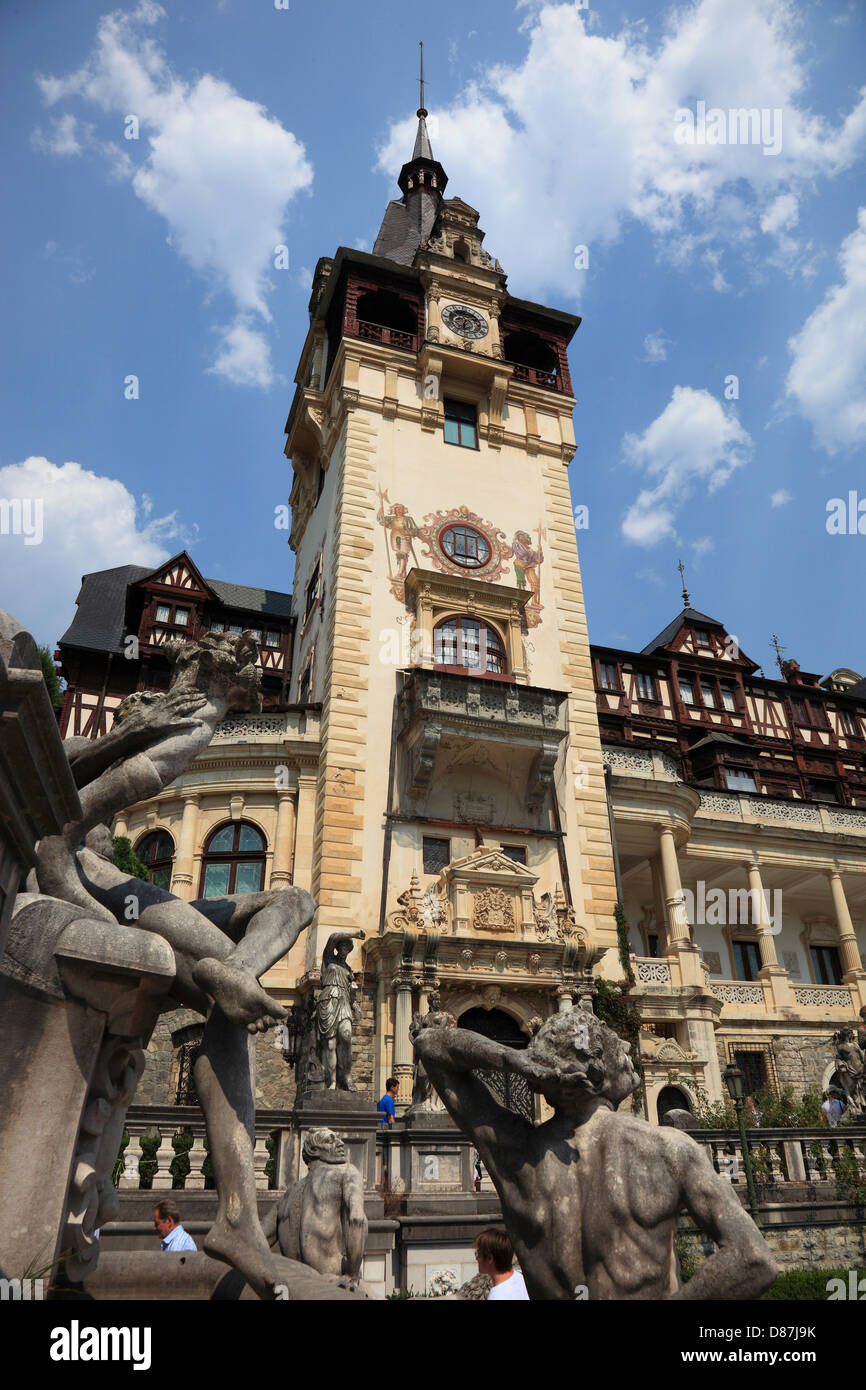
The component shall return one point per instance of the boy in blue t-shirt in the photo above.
(386, 1104)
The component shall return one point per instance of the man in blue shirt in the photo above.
(166, 1223)
(386, 1104)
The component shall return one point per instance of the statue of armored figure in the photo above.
(337, 1011)
(320, 1220)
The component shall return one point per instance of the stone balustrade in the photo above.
(154, 1170)
(649, 970)
(787, 1156)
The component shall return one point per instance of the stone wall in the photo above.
(275, 1079)
(806, 1246)
(802, 1061)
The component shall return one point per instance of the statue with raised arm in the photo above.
(591, 1197)
(320, 1220)
(221, 946)
(337, 1012)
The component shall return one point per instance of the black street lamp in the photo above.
(735, 1082)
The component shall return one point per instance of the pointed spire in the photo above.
(687, 603)
(423, 149)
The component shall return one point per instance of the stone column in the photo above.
(181, 879)
(766, 944)
(281, 869)
(565, 998)
(853, 973)
(121, 826)
(771, 970)
(403, 1065)
(678, 926)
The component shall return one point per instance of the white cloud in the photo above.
(780, 497)
(693, 440)
(244, 357)
(655, 347)
(827, 377)
(87, 523)
(702, 546)
(781, 215)
(62, 138)
(217, 168)
(568, 145)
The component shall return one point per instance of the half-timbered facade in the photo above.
(740, 818)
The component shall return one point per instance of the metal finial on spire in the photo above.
(421, 109)
(686, 600)
(779, 649)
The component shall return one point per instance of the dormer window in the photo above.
(702, 637)
(740, 779)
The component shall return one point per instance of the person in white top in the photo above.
(495, 1256)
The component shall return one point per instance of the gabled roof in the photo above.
(100, 619)
(718, 737)
(688, 618)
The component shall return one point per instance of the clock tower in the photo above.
(460, 816)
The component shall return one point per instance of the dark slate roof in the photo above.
(100, 619)
(423, 149)
(258, 600)
(858, 690)
(719, 738)
(403, 227)
(688, 615)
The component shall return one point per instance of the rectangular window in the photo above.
(850, 723)
(708, 694)
(646, 688)
(217, 627)
(273, 639)
(313, 589)
(235, 627)
(687, 691)
(753, 1065)
(653, 946)
(304, 687)
(823, 791)
(747, 960)
(163, 612)
(517, 853)
(607, 676)
(826, 965)
(728, 701)
(740, 779)
(461, 423)
(436, 855)
(702, 637)
(181, 616)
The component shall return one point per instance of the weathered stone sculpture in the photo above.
(337, 1012)
(425, 1097)
(851, 1066)
(92, 923)
(320, 1220)
(591, 1198)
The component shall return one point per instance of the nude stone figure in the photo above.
(320, 1220)
(221, 946)
(591, 1197)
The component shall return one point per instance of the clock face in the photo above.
(463, 321)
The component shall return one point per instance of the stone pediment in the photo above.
(490, 866)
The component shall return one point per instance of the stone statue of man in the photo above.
(320, 1220)
(591, 1198)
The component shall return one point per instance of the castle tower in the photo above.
(461, 819)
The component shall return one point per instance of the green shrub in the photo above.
(808, 1285)
(688, 1260)
(125, 858)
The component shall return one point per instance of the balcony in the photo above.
(388, 337)
(523, 725)
(534, 376)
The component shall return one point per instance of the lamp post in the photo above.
(735, 1082)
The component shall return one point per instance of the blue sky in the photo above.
(260, 127)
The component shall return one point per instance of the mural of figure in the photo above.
(402, 530)
(527, 563)
(337, 1012)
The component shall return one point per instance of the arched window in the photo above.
(234, 861)
(156, 850)
(470, 647)
(509, 1087)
